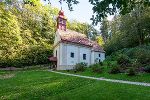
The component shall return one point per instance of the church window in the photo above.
(72, 55)
(84, 56)
(99, 55)
(60, 21)
(99, 60)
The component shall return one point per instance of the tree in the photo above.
(102, 8)
(129, 30)
(27, 32)
(9, 30)
(105, 30)
(84, 28)
(100, 40)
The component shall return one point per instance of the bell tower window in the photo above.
(61, 21)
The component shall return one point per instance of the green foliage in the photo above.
(114, 67)
(26, 39)
(100, 40)
(141, 54)
(9, 30)
(137, 57)
(70, 3)
(114, 70)
(27, 56)
(130, 30)
(27, 32)
(103, 8)
(131, 72)
(105, 30)
(147, 68)
(80, 67)
(96, 68)
(123, 60)
(135, 63)
(84, 28)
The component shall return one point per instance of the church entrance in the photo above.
(53, 60)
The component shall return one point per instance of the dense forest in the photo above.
(27, 32)
(127, 38)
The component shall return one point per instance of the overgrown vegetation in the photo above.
(127, 37)
(80, 67)
(27, 32)
(96, 68)
(131, 72)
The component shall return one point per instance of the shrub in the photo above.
(96, 68)
(147, 68)
(123, 60)
(135, 63)
(101, 63)
(143, 56)
(32, 55)
(141, 53)
(131, 72)
(80, 66)
(115, 70)
(113, 64)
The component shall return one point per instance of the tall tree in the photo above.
(105, 30)
(84, 28)
(129, 30)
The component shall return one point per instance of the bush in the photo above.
(135, 63)
(115, 70)
(101, 63)
(80, 66)
(33, 55)
(96, 68)
(141, 53)
(147, 68)
(113, 64)
(123, 60)
(131, 72)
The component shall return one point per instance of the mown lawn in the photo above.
(140, 77)
(40, 84)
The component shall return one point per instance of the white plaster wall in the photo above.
(57, 38)
(102, 56)
(96, 56)
(66, 61)
(57, 48)
(92, 57)
(87, 51)
(73, 49)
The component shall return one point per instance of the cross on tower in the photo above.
(60, 1)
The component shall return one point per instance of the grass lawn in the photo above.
(141, 77)
(40, 84)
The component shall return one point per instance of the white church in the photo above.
(72, 47)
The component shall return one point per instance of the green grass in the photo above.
(40, 84)
(140, 77)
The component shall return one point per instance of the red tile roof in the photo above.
(79, 38)
(52, 59)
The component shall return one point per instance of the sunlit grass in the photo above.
(140, 77)
(42, 84)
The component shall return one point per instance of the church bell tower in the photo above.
(61, 21)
